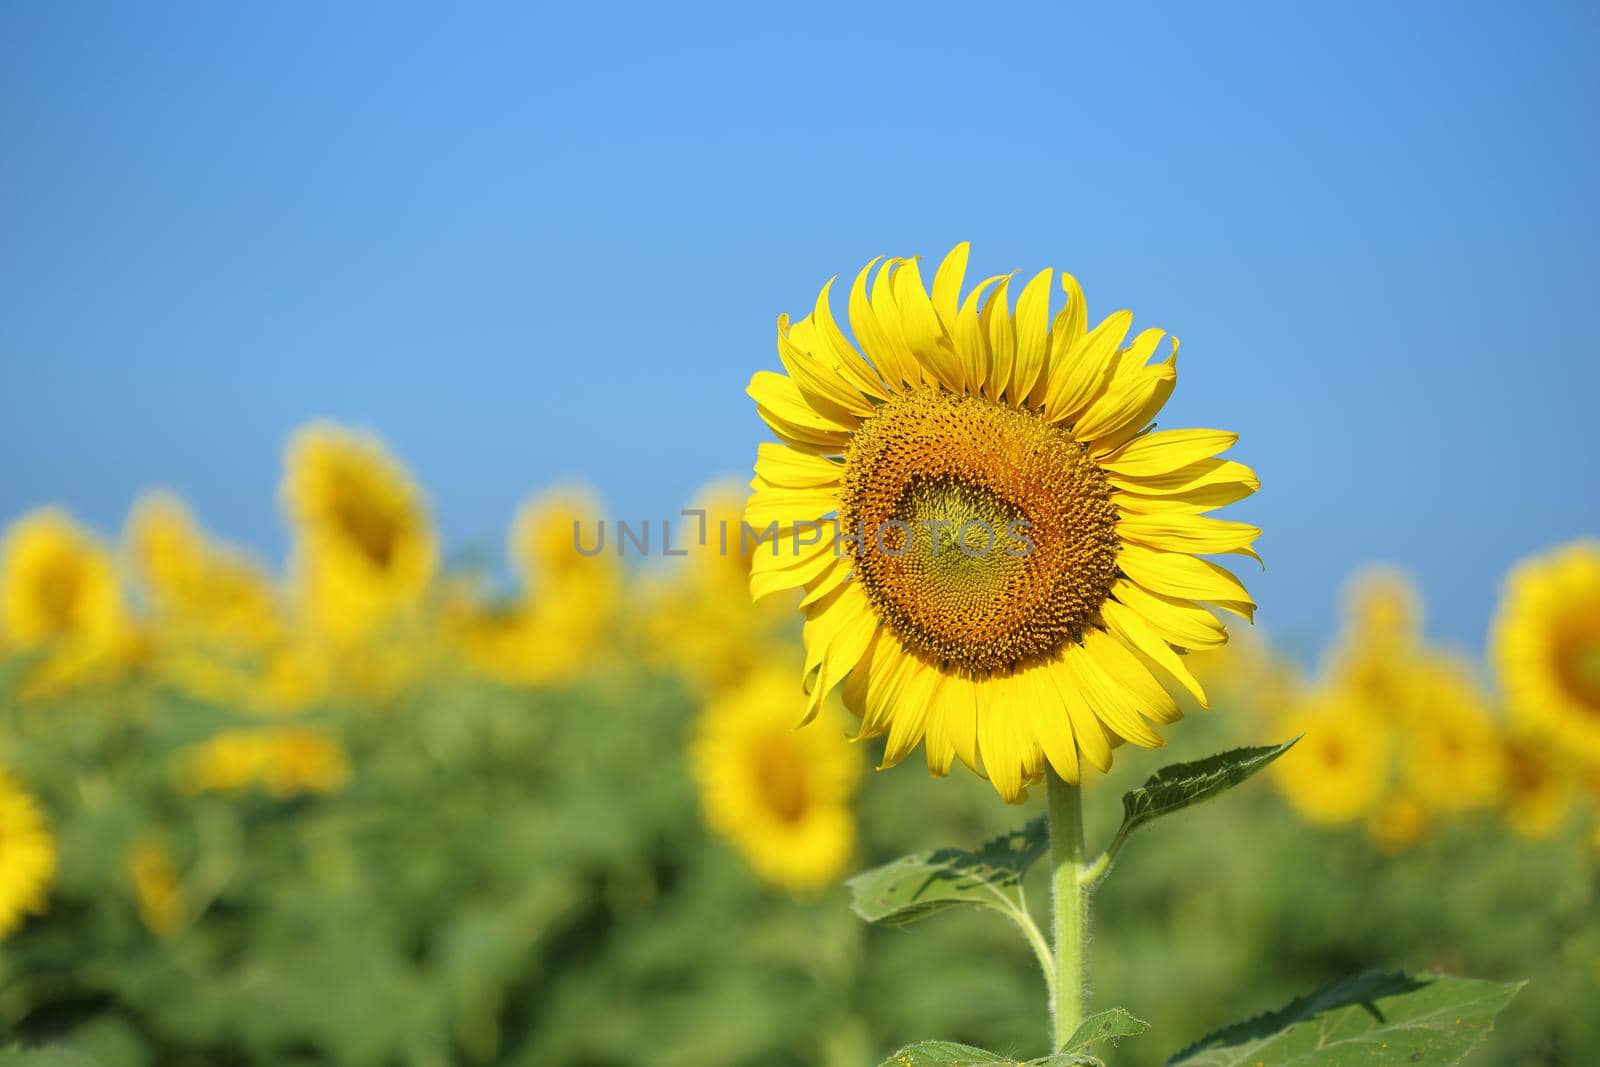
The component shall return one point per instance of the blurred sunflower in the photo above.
(1546, 646)
(58, 584)
(781, 796)
(1380, 636)
(285, 761)
(59, 594)
(698, 618)
(1539, 789)
(365, 550)
(196, 586)
(27, 856)
(1452, 760)
(1399, 822)
(1341, 767)
(566, 609)
(157, 889)
(1015, 560)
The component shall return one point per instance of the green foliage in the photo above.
(914, 887)
(1102, 1027)
(1182, 785)
(1373, 1019)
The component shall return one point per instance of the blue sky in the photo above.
(530, 244)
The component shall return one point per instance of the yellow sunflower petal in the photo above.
(1179, 575)
(1165, 451)
(1198, 534)
(786, 468)
(1129, 625)
(947, 286)
(1180, 622)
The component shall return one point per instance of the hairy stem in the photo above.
(1069, 897)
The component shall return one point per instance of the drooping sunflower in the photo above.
(365, 549)
(27, 856)
(1000, 558)
(1546, 647)
(781, 796)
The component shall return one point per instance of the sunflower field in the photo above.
(379, 805)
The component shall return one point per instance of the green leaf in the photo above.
(950, 1054)
(1102, 1026)
(916, 886)
(1177, 787)
(945, 1054)
(1373, 1019)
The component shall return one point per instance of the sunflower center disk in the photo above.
(985, 536)
(1579, 664)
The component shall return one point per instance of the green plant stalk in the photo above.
(1070, 901)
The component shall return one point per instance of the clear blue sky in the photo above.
(529, 243)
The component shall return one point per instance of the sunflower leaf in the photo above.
(924, 883)
(1374, 1019)
(1106, 1025)
(951, 1054)
(1180, 785)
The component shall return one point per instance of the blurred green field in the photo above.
(523, 878)
(381, 811)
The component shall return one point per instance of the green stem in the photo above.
(1070, 898)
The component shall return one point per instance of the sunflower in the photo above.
(697, 617)
(567, 603)
(1341, 767)
(1400, 821)
(27, 856)
(198, 588)
(1539, 788)
(158, 889)
(781, 796)
(286, 761)
(1452, 760)
(999, 557)
(58, 586)
(1546, 647)
(365, 550)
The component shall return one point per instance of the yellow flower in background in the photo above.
(697, 617)
(1015, 566)
(1399, 822)
(1380, 636)
(781, 796)
(286, 761)
(565, 614)
(1539, 789)
(1546, 646)
(365, 550)
(303, 760)
(1453, 758)
(204, 590)
(27, 856)
(158, 889)
(1341, 767)
(58, 587)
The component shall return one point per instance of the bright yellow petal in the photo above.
(787, 469)
(1165, 451)
(1178, 575)
(1179, 622)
